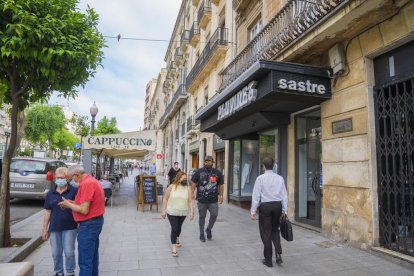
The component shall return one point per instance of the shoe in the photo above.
(209, 235)
(279, 258)
(202, 238)
(267, 263)
(70, 274)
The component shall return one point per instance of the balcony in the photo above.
(215, 2)
(189, 123)
(179, 98)
(194, 34)
(204, 14)
(185, 39)
(178, 56)
(239, 5)
(195, 2)
(166, 87)
(214, 51)
(172, 70)
(193, 126)
(294, 20)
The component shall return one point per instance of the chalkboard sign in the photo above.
(149, 190)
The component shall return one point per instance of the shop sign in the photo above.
(193, 146)
(302, 86)
(159, 156)
(243, 98)
(342, 126)
(218, 143)
(138, 140)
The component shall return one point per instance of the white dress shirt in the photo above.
(267, 188)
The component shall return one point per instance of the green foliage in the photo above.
(106, 126)
(25, 152)
(63, 139)
(81, 124)
(47, 46)
(43, 122)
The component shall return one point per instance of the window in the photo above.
(206, 96)
(255, 28)
(195, 105)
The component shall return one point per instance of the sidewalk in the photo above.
(137, 243)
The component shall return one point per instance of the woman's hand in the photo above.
(45, 234)
(163, 214)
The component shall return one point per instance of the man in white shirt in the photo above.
(270, 197)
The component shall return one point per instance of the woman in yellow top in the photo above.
(176, 205)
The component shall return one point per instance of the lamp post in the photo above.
(7, 133)
(93, 110)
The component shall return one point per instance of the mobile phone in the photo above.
(63, 198)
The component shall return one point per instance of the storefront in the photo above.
(218, 147)
(254, 113)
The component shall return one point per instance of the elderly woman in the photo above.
(59, 225)
(176, 205)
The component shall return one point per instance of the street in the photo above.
(23, 208)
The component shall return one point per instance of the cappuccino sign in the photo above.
(243, 98)
(302, 86)
(138, 140)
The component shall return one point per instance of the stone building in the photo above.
(326, 88)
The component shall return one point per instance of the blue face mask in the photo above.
(60, 182)
(73, 184)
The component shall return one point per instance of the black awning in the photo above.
(265, 96)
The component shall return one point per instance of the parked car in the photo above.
(32, 178)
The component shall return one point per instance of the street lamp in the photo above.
(94, 111)
(7, 133)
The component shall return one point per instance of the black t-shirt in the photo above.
(207, 184)
(172, 173)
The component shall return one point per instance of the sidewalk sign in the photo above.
(147, 192)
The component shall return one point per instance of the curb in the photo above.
(26, 249)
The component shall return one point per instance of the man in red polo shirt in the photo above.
(88, 209)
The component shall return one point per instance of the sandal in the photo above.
(174, 254)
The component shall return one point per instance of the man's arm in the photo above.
(193, 187)
(83, 208)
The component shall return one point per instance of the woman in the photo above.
(176, 205)
(59, 225)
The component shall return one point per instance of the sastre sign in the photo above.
(243, 98)
(301, 86)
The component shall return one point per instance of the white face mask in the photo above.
(74, 184)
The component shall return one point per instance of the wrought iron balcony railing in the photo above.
(294, 19)
(176, 102)
(219, 38)
(204, 13)
(194, 34)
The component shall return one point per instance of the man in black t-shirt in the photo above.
(209, 183)
(173, 172)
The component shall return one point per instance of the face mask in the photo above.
(73, 183)
(60, 182)
(208, 165)
(184, 182)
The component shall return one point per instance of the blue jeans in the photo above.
(88, 245)
(63, 241)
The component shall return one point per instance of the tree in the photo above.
(45, 46)
(82, 127)
(107, 126)
(43, 122)
(62, 140)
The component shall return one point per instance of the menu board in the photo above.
(149, 189)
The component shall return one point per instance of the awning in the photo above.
(128, 145)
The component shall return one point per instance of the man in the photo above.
(209, 183)
(107, 187)
(153, 169)
(270, 197)
(173, 172)
(59, 225)
(88, 209)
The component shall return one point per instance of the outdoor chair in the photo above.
(108, 195)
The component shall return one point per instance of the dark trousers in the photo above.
(176, 223)
(202, 213)
(269, 223)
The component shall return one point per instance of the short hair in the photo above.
(76, 169)
(61, 170)
(105, 176)
(176, 163)
(268, 162)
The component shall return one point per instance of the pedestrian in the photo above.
(59, 225)
(107, 187)
(209, 183)
(88, 209)
(176, 205)
(173, 172)
(270, 197)
(153, 169)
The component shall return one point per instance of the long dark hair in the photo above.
(177, 179)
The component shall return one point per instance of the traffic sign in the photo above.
(77, 146)
(159, 156)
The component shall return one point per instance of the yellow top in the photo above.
(178, 201)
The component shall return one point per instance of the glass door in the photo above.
(308, 168)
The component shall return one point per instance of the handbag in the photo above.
(286, 229)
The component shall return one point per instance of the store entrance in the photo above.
(308, 168)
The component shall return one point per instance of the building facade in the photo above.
(325, 88)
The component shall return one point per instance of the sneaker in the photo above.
(209, 235)
(58, 274)
(202, 238)
(70, 274)
(267, 263)
(279, 259)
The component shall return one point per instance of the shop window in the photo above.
(235, 168)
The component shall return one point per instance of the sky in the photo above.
(119, 87)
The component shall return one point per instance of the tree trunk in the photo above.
(20, 133)
(5, 239)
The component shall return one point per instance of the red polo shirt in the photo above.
(90, 191)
